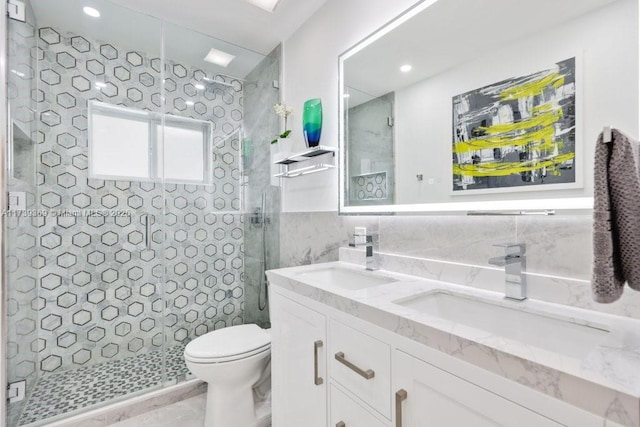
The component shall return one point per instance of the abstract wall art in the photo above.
(519, 132)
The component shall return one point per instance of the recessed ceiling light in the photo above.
(406, 68)
(189, 102)
(100, 85)
(268, 5)
(200, 86)
(219, 57)
(94, 13)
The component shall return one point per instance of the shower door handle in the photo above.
(147, 230)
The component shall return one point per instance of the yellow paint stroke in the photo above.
(543, 108)
(541, 120)
(543, 138)
(532, 88)
(510, 168)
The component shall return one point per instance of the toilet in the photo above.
(233, 361)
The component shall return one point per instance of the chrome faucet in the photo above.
(514, 263)
(371, 259)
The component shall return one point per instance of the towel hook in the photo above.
(606, 134)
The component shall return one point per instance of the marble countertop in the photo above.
(604, 379)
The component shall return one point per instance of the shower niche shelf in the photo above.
(296, 164)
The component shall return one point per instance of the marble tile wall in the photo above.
(260, 125)
(558, 246)
(102, 294)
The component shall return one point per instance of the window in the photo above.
(130, 144)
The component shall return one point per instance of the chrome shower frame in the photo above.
(4, 149)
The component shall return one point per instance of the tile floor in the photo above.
(186, 413)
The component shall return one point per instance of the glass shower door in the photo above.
(22, 258)
(85, 254)
(204, 250)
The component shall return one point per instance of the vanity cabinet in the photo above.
(298, 361)
(332, 369)
(427, 396)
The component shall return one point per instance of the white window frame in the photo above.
(155, 144)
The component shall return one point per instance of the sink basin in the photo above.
(346, 278)
(564, 335)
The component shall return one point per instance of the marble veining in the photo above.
(595, 383)
(558, 290)
(140, 407)
(186, 413)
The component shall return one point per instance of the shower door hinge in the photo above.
(17, 201)
(16, 391)
(390, 121)
(17, 10)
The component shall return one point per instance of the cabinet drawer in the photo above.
(347, 413)
(362, 364)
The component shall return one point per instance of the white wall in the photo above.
(605, 43)
(311, 71)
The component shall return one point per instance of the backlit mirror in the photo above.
(485, 105)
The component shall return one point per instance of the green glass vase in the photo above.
(312, 122)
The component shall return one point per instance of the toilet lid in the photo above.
(238, 341)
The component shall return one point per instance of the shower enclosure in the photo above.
(131, 164)
(371, 137)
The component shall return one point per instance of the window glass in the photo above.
(127, 143)
(184, 154)
(119, 146)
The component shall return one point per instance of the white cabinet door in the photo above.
(437, 398)
(298, 364)
(347, 413)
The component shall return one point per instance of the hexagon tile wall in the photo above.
(102, 295)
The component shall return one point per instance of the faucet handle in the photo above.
(512, 248)
(359, 240)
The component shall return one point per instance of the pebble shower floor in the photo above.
(75, 389)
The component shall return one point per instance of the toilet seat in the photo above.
(228, 344)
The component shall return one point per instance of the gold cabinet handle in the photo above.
(401, 395)
(367, 375)
(316, 379)
(341, 424)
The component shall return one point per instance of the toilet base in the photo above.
(263, 413)
(237, 409)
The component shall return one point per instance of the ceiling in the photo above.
(450, 33)
(234, 21)
(190, 27)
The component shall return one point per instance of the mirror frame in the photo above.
(548, 206)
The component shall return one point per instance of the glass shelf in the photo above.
(304, 171)
(307, 154)
(289, 160)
